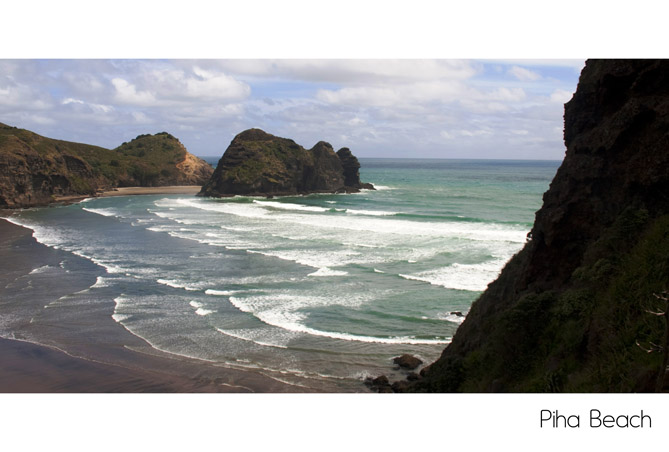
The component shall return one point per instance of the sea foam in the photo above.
(325, 271)
(469, 277)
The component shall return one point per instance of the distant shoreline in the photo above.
(166, 190)
(133, 191)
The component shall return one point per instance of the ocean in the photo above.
(317, 291)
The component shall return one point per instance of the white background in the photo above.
(310, 29)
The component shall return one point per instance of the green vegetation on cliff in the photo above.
(34, 168)
(257, 163)
(573, 311)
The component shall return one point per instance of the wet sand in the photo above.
(116, 361)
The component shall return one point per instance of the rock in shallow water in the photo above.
(407, 361)
(259, 164)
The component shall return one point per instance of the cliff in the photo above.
(158, 160)
(35, 169)
(572, 310)
(259, 164)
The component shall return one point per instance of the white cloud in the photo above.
(22, 96)
(70, 100)
(127, 93)
(524, 75)
(140, 117)
(169, 86)
(397, 95)
(353, 71)
(82, 106)
(210, 85)
(43, 120)
(474, 133)
(430, 108)
(507, 94)
(561, 96)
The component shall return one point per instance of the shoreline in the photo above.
(133, 191)
(165, 190)
(124, 363)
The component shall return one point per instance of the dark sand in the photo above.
(115, 361)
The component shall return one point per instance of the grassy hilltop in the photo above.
(35, 169)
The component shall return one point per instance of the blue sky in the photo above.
(417, 108)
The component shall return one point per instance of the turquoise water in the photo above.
(314, 288)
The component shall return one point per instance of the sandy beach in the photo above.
(130, 191)
(167, 190)
(116, 361)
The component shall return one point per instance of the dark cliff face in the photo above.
(259, 164)
(351, 167)
(569, 312)
(34, 170)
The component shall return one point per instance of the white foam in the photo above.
(104, 212)
(452, 318)
(111, 268)
(362, 245)
(283, 311)
(119, 318)
(470, 277)
(101, 282)
(325, 271)
(41, 269)
(44, 235)
(176, 284)
(246, 335)
(374, 213)
(203, 312)
(220, 292)
(376, 222)
(382, 187)
(378, 271)
(195, 304)
(314, 258)
(290, 206)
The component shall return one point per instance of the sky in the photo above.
(404, 108)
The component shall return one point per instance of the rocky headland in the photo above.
(259, 164)
(36, 170)
(582, 307)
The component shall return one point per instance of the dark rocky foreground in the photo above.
(579, 309)
(259, 164)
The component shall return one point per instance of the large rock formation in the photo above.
(570, 312)
(259, 164)
(35, 170)
(158, 160)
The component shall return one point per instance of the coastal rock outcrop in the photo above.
(570, 312)
(159, 160)
(407, 361)
(259, 164)
(351, 166)
(35, 170)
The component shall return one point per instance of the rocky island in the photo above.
(583, 306)
(259, 164)
(36, 170)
